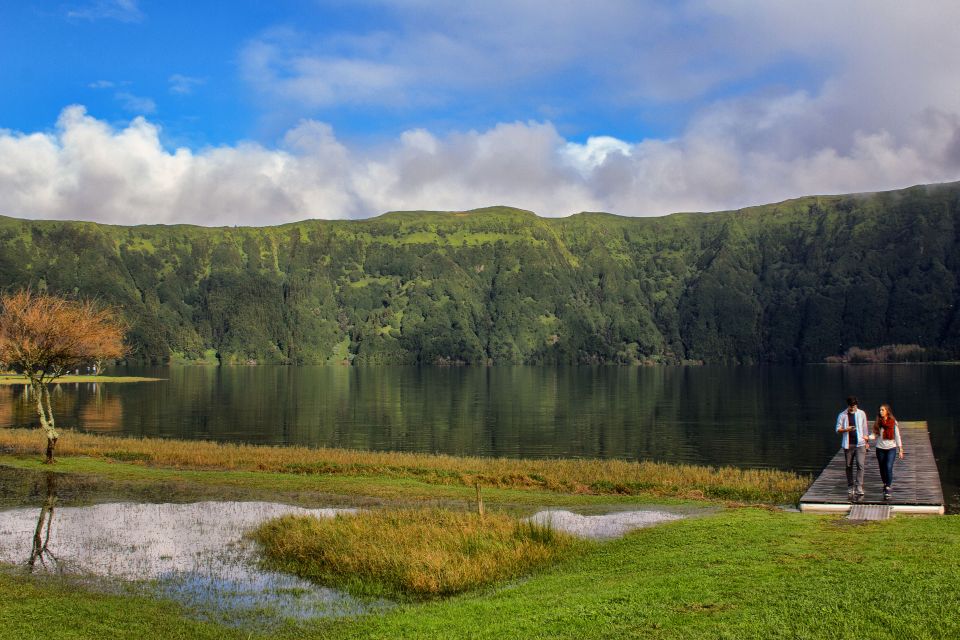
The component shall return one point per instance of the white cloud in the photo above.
(102, 84)
(282, 71)
(135, 104)
(121, 10)
(435, 50)
(184, 85)
(592, 154)
(89, 169)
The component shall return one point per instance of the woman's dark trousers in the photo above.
(886, 457)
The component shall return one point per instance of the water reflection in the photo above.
(775, 417)
(602, 526)
(41, 536)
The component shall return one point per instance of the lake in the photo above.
(761, 416)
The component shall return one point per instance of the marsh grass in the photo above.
(415, 553)
(571, 476)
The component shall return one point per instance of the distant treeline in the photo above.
(798, 281)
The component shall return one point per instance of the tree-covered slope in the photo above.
(794, 281)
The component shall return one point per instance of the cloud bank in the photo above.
(87, 169)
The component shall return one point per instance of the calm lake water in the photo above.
(765, 416)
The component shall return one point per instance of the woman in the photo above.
(887, 434)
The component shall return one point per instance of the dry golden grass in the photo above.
(418, 553)
(565, 475)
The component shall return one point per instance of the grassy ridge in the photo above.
(586, 477)
(422, 553)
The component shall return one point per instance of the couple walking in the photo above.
(855, 439)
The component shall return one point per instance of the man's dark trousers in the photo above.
(858, 456)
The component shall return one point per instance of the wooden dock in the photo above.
(916, 481)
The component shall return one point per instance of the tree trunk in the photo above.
(51, 424)
(41, 411)
(45, 411)
(51, 443)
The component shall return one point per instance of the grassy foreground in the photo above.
(422, 553)
(743, 573)
(568, 476)
(740, 573)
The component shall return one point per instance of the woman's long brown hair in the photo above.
(876, 424)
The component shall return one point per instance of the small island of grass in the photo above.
(416, 553)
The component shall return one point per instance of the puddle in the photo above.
(602, 527)
(194, 553)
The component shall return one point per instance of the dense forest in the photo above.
(797, 281)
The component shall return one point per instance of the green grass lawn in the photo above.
(730, 572)
(43, 608)
(742, 573)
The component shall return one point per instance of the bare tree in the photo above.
(44, 337)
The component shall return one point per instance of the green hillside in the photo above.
(790, 282)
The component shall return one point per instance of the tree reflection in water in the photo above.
(41, 535)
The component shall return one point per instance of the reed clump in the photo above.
(576, 476)
(413, 553)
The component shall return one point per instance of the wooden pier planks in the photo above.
(916, 481)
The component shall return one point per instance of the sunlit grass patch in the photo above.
(410, 552)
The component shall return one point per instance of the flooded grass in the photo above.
(568, 476)
(602, 526)
(195, 554)
(418, 553)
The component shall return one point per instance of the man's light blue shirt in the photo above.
(843, 423)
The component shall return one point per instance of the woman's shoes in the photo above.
(886, 493)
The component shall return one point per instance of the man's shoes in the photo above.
(886, 493)
(859, 493)
(850, 492)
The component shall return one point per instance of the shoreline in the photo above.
(79, 379)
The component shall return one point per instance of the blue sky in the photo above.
(186, 66)
(263, 112)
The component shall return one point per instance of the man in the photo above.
(852, 425)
